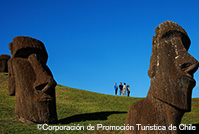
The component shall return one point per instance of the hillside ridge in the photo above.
(77, 106)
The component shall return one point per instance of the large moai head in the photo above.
(23, 47)
(3, 62)
(31, 81)
(34, 51)
(171, 66)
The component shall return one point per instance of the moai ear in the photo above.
(153, 60)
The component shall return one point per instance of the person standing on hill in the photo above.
(124, 89)
(128, 90)
(121, 88)
(116, 88)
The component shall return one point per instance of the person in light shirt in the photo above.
(124, 90)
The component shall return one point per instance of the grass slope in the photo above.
(76, 106)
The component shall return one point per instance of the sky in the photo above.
(92, 44)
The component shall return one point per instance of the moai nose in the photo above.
(42, 77)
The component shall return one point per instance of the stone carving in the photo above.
(3, 62)
(171, 71)
(31, 81)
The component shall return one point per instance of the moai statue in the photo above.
(3, 62)
(171, 71)
(31, 81)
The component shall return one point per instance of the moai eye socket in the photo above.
(186, 41)
(26, 52)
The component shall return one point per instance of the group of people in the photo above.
(123, 89)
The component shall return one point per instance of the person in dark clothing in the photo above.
(128, 90)
(121, 88)
(116, 88)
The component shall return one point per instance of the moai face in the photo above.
(31, 81)
(171, 66)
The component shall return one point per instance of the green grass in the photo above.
(76, 106)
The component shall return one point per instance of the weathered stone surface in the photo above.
(171, 71)
(3, 62)
(31, 81)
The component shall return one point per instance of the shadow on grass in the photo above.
(89, 117)
(191, 131)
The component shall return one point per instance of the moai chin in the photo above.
(3, 62)
(31, 81)
(171, 71)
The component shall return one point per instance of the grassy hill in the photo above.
(75, 107)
